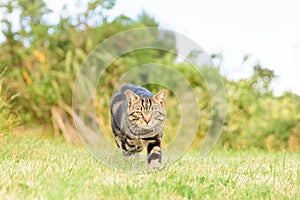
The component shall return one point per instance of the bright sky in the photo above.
(268, 30)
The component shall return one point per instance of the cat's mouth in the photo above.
(146, 126)
(149, 127)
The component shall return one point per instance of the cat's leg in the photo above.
(154, 154)
(130, 148)
(129, 155)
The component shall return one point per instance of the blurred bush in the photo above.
(255, 117)
(40, 60)
(8, 116)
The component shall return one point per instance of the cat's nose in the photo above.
(147, 118)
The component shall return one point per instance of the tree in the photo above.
(261, 80)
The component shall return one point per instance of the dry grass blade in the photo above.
(63, 123)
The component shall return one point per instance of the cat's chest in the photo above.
(140, 142)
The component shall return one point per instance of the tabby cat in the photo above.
(137, 119)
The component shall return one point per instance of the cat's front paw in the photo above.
(154, 164)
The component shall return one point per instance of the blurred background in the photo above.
(254, 45)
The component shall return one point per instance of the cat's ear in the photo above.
(160, 96)
(131, 97)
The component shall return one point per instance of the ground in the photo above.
(35, 168)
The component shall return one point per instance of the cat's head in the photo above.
(146, 112)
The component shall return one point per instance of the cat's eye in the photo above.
(139, 113)
(154, 112)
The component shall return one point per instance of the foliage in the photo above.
(256, 118)
(8, 117)
(42, 60)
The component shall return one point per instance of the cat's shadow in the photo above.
(134, 163)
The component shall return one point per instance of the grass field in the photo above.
(34, 168)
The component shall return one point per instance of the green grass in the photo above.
(34, 168)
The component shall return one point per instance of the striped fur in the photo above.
(137, 119)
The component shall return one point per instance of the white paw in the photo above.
(154, 164)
